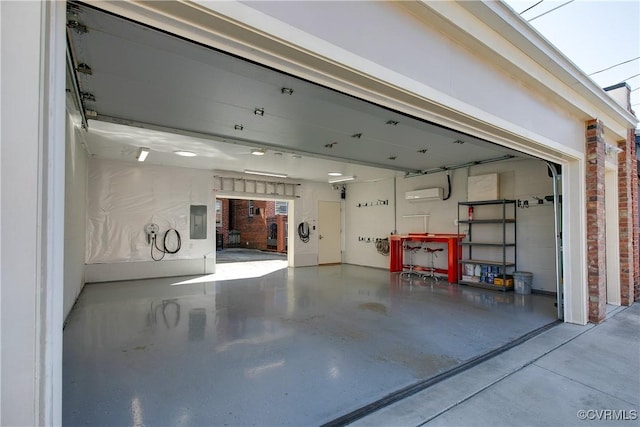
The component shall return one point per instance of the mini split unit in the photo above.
(424, 195)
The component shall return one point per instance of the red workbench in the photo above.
(396, 252)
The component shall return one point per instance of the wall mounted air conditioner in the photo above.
(424, 195)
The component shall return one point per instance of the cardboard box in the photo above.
(499, 282)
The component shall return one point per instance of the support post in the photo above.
(596, 244)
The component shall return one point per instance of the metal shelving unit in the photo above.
(503, 239)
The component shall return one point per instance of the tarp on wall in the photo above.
(124, 197)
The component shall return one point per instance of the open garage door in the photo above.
(239, 118)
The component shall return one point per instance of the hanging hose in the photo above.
(449, 185)
(164, 250)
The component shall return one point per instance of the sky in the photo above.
(594, 35)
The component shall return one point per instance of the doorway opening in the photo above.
(251, 229)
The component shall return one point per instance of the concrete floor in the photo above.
(262, 344)
(569, 375)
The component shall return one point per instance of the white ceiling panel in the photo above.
(121, 142)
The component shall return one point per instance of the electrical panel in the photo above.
(198, 228)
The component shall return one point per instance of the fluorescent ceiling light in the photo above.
(257, 152)
(142, 154)
(334, 174)
(341, 179)
(276, 175)
(185, 153)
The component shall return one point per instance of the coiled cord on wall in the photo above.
(164, 250)
(382, 246)
(303, 232)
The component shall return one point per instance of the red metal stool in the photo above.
(432, 269)
(412, 250)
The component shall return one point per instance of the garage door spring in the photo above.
(164, 250)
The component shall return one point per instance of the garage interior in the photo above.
(303, 341)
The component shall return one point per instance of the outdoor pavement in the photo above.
(244, 255)
(568, 375)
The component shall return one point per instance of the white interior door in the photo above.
(329, 233)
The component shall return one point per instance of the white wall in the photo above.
(123, 198)
(442, 213)
(19, 208)
(521, 179)
(440, 63)
(372, 221)
(76, 159)
(31, 212)
(306, 209)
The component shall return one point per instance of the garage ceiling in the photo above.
(151, 89)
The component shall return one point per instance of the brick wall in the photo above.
(596, 244)
(627, 206)
(224, 229)
(253, 229)
(282, 221)
(629, 220)
(270, 209)
(636, 215)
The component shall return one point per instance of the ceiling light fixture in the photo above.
(287, 91)
(334, 174)
(458, 141)
(392, 122)
(257, 151)
(259, 111)
(341, 179)
(238, 127)
(274, 174)
(357, 135)
(423, 151)
(185, 153)
(142, 154)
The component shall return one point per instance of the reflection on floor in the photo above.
(292, 347)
